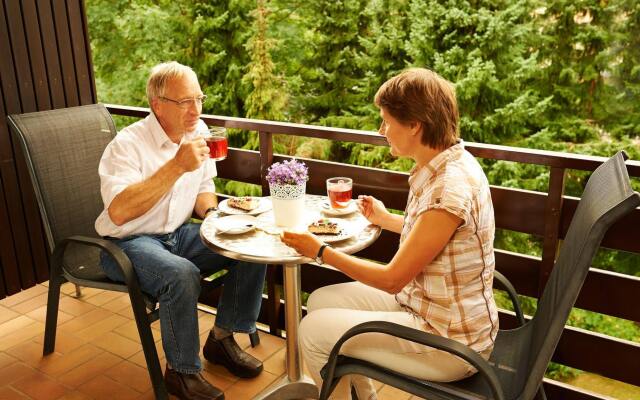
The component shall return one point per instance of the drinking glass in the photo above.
(339, 190)
(216, 138)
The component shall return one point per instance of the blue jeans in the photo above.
(168, 268)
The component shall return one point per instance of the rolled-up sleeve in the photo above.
(209, 171)
(119, 168)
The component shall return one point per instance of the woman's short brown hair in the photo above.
(421, 95)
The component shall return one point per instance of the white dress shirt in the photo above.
(134, 155)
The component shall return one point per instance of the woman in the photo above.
(440, 279)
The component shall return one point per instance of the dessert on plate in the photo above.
(324, 226)
(245, 203)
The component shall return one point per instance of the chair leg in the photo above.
(254, 338)
(148, 347)
(51, 324)
(78, 291)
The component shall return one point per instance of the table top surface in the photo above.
(263, 245)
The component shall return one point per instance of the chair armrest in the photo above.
(427, 339)
(504, 284)
(119, 256)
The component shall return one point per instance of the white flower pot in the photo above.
(288, 204)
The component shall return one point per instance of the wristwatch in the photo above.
(320, 251)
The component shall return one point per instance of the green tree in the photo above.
(216, 49)
(481, 46)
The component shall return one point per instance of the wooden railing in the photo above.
(545, 215)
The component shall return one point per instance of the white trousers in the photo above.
(332, 310)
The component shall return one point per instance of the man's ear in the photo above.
(154, 105)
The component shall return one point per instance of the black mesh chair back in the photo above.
(521, 355)
(62, 150)
(606, 198)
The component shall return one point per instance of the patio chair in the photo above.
(521, 355)
(62, 150)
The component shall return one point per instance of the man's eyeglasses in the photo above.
(186, 103)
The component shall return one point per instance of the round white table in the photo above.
(263, 246)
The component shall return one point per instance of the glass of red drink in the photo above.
(216, 139)
(339, 190)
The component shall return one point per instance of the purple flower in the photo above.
(289, 172)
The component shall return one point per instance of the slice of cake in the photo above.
(324, 226)
(244, 203)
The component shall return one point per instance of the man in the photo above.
(153, 176)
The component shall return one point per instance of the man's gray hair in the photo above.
(161, 74)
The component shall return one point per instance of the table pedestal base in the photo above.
(284, 389)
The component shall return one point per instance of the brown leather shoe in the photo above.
(190, 386)
(227, 353)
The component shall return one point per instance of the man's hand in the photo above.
(192, 154)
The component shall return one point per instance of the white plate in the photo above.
(234, 224)
(345, 232)
(263, 205)
(332, 212)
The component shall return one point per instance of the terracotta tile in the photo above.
(268, 346)
(149, 395)
(248, 388)
(31, 304)
(74, 307)
(69, 289)
(390, 393)
(131, 375)
(7, 314)
(90, 369)
(205, 321)
(24, 334)
(29, 352)
(75, 395)
(85, 320)
(40, 314)
(19, 297)
(104, 297)
(130, 331)
(65, 342)
(15, 372)
(57, 364)
(276, 363)
(103, 388)
(139, 359)
(117, 304)
(40, 387)
(219, 381)
(218, 369)
(100, 328)
(118, 345)
(14, 325)
(6, 359)
(126, 312)
(8, 393)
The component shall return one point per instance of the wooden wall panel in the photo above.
(45, 64)
(12, 104)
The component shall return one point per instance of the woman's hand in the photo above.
(304, 243)
(372, 209)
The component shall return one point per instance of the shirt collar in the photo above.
(158, 134)
(420, 174)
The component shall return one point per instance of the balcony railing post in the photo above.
(552, 221)
(266, 158)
